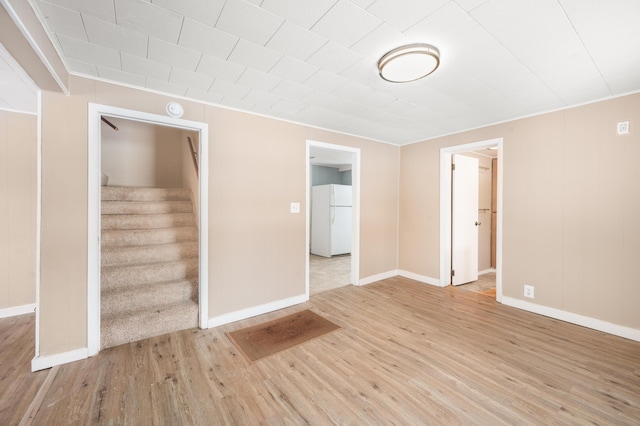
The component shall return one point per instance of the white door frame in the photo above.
(355, 210)
(445, 209)
(94, 187)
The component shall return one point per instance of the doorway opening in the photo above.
(483, 263)
(133, 183)
(333, 202)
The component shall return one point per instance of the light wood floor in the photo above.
(407, 354)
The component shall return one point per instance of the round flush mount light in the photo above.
(174, 109)
(409, 63)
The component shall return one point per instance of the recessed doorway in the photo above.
(448, 246)
(332, 247)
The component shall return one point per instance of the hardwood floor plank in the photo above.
(407, 353)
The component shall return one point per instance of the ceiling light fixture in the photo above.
(409, 63)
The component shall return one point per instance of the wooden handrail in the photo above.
(109, 123)
(194, 155)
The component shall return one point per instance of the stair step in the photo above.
(157, 320)
(121, 237)
(145, 273)
(123, 193)
(145, 254)
(123, 300)
(146, 207)
(147, 221)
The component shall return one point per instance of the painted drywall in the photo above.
(323, 175)
(18, 139)
(571, 200)
(141, 154)
(257, 167)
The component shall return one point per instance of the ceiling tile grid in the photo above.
(315, 61)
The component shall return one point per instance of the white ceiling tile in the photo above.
(254, 56)
(295, 41)
(172, 54)
(402, 14)
(63, 21)
(259, 97)
(258, 80)
(291, 90)
(380, 41)
(148, 18)
(107, 34)
(206, 11)
(138, 65)
(345, 23)
(121, 76)
(248, 21)
(325, 81)
(164, 86)
(88, 52)
(218, 68)
(334, 57)
(226, 88)
(303, 13)
(198, 36)
(289, 106)
(469, 5)
(82, 67)
(103, 9)
(363, 3)
(190, 79)
(236, 103)
(204, 96)
(293, 69)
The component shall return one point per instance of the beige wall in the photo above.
(257, 166)
(141, 154)
(18, 213)
(571, 202)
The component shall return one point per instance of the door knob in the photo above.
(478, 223)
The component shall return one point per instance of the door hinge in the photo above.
(453, 273)
(453, 167)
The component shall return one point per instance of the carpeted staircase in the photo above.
(149, 274)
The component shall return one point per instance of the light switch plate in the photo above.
(623, 128)
(295, 207)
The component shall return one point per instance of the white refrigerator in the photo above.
(331, 220)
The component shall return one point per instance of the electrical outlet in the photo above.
(528, 291)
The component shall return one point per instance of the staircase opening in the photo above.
(151, 259)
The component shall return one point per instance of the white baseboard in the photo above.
(14, 311)
(48, 361)
(486, 271)
(378, 277)
(256, 310)
(421, 278)
(584, 321)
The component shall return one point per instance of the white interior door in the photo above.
(464, 220)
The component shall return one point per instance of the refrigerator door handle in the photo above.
(333, 196)
(333, 216)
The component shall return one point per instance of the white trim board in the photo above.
(256, 310)
(48, 361)
(95, 111)
(422, 278)
(14, 311)
(577, 319)
(378, 277)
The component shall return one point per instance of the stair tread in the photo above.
(142, 265)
